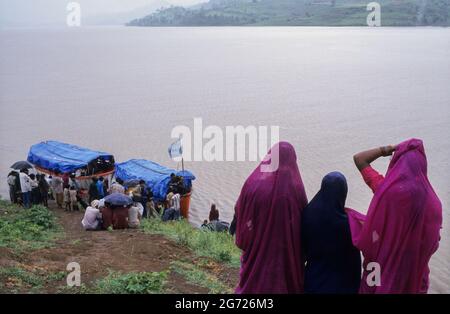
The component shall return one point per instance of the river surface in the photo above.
(332, 92)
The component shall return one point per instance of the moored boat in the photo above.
(157, 177)
(59, 159)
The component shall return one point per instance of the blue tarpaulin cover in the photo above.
(61, 157)
(156, 177)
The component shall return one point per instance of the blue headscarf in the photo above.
(333, 264)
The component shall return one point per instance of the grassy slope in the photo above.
(205, 243)
(302, 12)
(24, 231)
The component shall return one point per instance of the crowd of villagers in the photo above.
(105, 205)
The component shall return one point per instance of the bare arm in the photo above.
(365, 158)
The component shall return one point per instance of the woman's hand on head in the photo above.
(365, 158)
(389, 150)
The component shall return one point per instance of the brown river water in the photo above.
(332, 91)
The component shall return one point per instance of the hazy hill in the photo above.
(300, 12)
(120, 18)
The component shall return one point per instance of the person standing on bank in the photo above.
(101, 188)
(268, 225)
(12, 186)
(58, 190)
(25, 187)
(93, 190)
(35, 193)
(333, 264)
(403, 222)
(117, 187)
(43, 189)
(143, 193)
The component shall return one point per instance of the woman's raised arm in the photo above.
(363, 159)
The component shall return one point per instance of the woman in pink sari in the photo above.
(268, 214)
(401, 230)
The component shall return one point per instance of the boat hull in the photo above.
(185, 202)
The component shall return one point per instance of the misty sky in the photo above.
(30, 13)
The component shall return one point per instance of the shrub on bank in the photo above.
(22, 229)
(197, 276)
(132, 283)
(218, 245)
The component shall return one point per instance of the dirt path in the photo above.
(118, 250)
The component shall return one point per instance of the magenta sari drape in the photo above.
(268, 214)
(401, 229)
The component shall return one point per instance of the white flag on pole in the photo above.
(176, 150)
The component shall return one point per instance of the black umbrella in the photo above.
(20, 165)
(118, 199)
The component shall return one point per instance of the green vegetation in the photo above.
(300, 13)
(132, 283)
(15, 279)
(24, 229)
(197, 276)
(149, 282)
(123, 283)
(19, 277)
(219, 246)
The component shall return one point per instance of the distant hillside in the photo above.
(120, 18)
(300, 13)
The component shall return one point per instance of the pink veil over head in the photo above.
(401, 229)
(268, 214)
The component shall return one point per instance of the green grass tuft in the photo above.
(197, 276)
(21, 279)
(132, 283)
(22, 276)
(24, 229)
(219, 246)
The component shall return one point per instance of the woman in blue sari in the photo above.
(333, 264)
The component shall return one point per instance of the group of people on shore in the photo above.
(34, 189)
(290, 245)
(101, 215)
(28, 189)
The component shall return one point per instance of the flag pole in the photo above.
(181, 149)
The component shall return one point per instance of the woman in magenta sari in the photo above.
(401, 230)
(268, 218)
